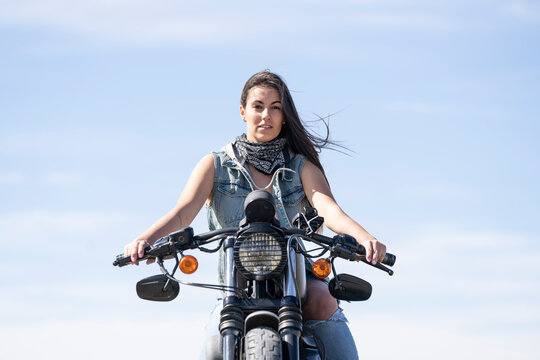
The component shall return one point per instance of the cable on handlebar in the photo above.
(238, 291)
(306, 252)
(324, 250)
(209, 241)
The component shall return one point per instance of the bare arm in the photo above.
(195, 193)
(319, 195)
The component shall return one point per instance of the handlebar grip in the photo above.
(164, 247)
(351, 243)
(122, 260)
(389, 259)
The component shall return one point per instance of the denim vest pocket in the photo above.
(233, 188)
(230, 195)
(294, 200)
(293, 196)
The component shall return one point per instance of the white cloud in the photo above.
(63, 178)
(99, 300)
(456, 293)
(400, 19)
(439, 264)
(416, 107)
(53, 178)
(522, 10)
(446, 236)
(41, 222)
(12, 178)
(104, 339)
(139, 22)
(439, 304)
(440, 337)
(149, 23)
(43, 143)
(377, 334)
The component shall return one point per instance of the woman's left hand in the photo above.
(375, 250)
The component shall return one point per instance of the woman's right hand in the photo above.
(135, 250)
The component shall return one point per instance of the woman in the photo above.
(275, 143)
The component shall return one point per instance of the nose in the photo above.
(266, 114)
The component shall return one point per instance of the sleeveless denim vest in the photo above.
(233, 182)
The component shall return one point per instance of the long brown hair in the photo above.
(299, 139)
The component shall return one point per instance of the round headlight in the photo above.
(260, 255)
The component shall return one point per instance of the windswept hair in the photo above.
(299, 139)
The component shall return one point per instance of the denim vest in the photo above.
(233, 182)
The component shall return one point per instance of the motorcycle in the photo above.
(265, 279)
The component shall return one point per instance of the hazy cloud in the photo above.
(11, 178)
(91, 340)
(137, 22)
(40, 222)
(63, 178)
(522, 10)
(416, 107)
(439, 304)
(439, 337)
(159, 22)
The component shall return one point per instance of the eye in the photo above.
(276, 107)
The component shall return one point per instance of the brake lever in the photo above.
(163, 248)
(378, 265)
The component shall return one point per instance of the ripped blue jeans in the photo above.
(334, 333)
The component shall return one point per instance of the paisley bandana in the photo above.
(265, 157)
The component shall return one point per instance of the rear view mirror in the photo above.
(350, 288)
(153, 288)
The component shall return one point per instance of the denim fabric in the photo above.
(233, 182)
(335, 336)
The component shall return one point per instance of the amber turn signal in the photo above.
(188, 264)
(321, 268)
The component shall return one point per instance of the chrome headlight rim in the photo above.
(279, 253)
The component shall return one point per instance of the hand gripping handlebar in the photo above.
(167, 246)
(164, 247)
(351, 243)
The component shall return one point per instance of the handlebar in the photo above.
(351, 243)
(160, 244)
(167, 246)
(344, 246)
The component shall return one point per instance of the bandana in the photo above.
(265, 157)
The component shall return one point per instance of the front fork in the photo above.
(232, 318)
(290, 316)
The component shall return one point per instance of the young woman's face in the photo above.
(263, 114)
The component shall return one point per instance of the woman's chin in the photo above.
(262, 138)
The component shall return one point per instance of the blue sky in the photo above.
(105, 107)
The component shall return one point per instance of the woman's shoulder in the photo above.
(297, 161)
(225, 151)
(225, 158)
(206, 162)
